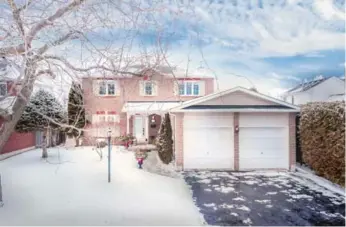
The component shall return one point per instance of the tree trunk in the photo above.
(44, 144)
(77, 141)
(19, 104)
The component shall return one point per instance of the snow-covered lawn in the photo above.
(76, 192)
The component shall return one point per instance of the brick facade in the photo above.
(179, 139)
(292, 140)
(236, 141)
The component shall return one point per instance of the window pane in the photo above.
(102, 90)
(111, 88)
(181, 89)
(3, 89)
(102, 118)
(110, 118)
(148, 88)
(196, 89)
(188, 88)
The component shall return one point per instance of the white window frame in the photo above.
(107, 82)
(106, 117)
(152, 88)
(6, 90)
(193, 83)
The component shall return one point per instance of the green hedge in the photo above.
(322, 137)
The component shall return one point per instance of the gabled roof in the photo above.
(197, 104)
(308, 85)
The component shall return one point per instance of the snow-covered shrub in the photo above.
(322, 137)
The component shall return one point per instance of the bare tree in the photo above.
(38, 38)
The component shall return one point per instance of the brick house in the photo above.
(9, 86)
(135, 104)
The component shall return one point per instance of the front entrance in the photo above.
(138, 127)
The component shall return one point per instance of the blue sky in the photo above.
(274, 43)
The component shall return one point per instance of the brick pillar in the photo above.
(292, 140)
(236, 141)
(179, 140)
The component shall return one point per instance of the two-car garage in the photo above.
(254, 134)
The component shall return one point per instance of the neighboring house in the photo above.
(135, 104)
(320, 89)
(236, 129)
(8, 90)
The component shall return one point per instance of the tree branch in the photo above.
(88, 69)
(69, 36)
(16, 16)
(48, 21)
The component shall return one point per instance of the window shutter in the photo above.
(141, 88)
(117, 88)
(201, 88)
(95, 119)
(96, 87)
(176, 87)
(155, 88)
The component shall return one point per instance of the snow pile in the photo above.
(77, 192)
(303, 172)
(153, 164)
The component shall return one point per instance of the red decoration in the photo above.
(112, 112)
(189, 78)
(100, 112)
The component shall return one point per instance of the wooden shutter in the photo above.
(155, 88)
(176, 87)
(141, 88)
(96, 87)
(201, 88)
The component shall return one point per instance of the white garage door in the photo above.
(263, 141)
(208, 142)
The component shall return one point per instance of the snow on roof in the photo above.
(6, 104)
(149, 107)
(7, 70)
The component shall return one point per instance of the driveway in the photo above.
(230, 198)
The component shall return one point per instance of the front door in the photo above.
(138, 127)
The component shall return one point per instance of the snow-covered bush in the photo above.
(322, 137)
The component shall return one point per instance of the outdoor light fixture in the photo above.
(237, 128)
(152, 119)
(109, 133)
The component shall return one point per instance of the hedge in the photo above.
(322, 137)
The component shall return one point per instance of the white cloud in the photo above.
(328, 11)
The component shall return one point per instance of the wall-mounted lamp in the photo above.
(153, 119)
(236, 129)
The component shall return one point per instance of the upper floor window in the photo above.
(189, 88)
(107, 87)
(3, 89)
(148, 88)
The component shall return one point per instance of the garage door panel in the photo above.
(265, 143)
(264, 163)
(262, 132)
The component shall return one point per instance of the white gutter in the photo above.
(238, 110)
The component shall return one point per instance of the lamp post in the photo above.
(109, 133)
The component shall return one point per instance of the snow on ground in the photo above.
(307, 174)
(76, 192)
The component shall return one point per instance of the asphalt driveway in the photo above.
(230, 198)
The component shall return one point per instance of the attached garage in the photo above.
(208, 141)
(237, 129)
